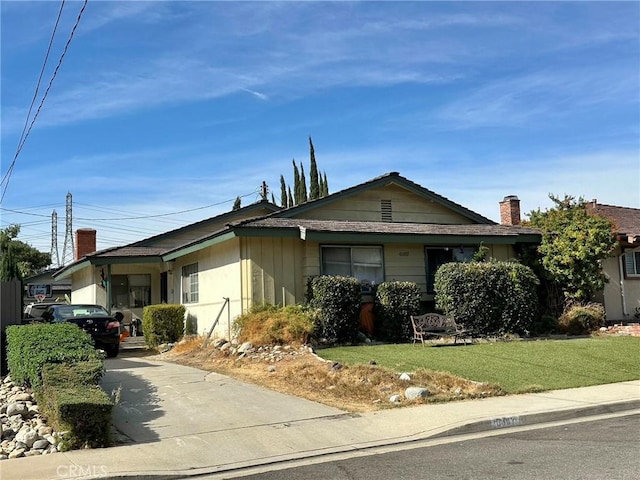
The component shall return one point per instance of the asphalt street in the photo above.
(590, 450)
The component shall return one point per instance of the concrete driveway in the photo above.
(161, 400)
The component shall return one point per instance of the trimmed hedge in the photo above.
(489, 298)
(72, 402)
(63, 368)
(163, 323)
(82, 411)
(31, 347)
(88, 372)
(395, 302)
(337, 300)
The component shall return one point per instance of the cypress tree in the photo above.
(303, 185)
(321, 186)
(236, 204)
(297, 191)
(325, 185)
(283, 193)
(291, 204)
(314, 184)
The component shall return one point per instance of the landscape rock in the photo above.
(16, 408)
(28, 436)
(413, 393)
(18, 452)
(395, 398)
(23, 431)
(40, 444)
(405, 377)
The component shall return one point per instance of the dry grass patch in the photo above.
(357, 388)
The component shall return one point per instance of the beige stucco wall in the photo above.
(84, 288)
(613, 292)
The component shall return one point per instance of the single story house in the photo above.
(621, 295)
(388, 228)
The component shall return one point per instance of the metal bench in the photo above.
(436, 325)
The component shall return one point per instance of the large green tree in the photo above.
(20, 255)
(574, 243)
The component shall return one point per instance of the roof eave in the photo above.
(195, 247)
(430, 239)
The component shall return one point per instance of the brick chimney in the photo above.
(510, 210)
(85, 242)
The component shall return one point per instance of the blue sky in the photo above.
(167, 107)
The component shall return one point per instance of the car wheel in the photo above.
(113, 351)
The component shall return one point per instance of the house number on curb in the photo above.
(503, 422)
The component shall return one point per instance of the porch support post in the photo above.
(109, 301)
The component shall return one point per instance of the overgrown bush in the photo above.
(268, 325)
(488, 297)
(582, 319)
(337, 300)
(395, 302)
(163, 323)
(31, 347)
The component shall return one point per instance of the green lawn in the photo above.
(520, 366)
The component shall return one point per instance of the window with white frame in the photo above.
(363, 263)
(632, 264)
(190, 283)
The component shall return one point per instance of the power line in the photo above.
(44, 64)
(7, 175)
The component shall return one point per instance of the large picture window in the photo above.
(439, 256)
(363, 263)
(190, 283)
(131, 291)
(632, 264)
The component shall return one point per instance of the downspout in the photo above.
(622, 296)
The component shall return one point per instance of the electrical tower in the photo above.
(55, 258)
(68, 251)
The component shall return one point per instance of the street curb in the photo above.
(498, 423)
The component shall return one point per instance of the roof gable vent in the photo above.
(386, 212)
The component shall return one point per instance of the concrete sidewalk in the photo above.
(177, 421)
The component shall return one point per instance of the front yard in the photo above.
(517, 367)
(364, 378)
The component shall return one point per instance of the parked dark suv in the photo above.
(93, 319)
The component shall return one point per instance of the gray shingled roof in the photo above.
(386, 227)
